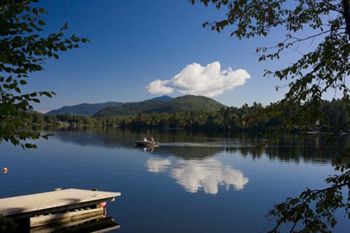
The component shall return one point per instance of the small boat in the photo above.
(147, 143)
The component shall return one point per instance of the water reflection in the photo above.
(194, 175)
(309, 148)
(201, 164)
(157, 165)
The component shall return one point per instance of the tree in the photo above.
(24, 48)
(320, 68)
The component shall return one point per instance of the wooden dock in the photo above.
(56, 209)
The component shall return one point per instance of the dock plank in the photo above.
(49, 200)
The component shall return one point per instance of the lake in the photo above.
(192, 183)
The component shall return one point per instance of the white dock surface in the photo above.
(48, 200)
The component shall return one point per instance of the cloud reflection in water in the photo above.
(194, 175)
(157, 165)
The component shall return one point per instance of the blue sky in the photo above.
(136, 42)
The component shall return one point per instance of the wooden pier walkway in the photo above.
(57, 209)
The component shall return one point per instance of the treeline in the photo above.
(334, 115)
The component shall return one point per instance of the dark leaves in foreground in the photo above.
(318, 32)
(24, 48)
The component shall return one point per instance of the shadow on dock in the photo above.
(96, 225)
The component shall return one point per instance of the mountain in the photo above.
(164, 104)
(135, 107)
(163, 98)
(83, 109)
(188, 103)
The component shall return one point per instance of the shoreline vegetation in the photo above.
(255, 118)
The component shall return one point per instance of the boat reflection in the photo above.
(149, 149)
(195, 175)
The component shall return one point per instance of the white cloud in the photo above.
(196, 79)
(195, 175)
(159, 87)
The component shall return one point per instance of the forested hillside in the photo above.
(161, 105)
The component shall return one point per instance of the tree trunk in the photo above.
(346, 14)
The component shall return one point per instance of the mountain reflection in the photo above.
(194, 175)
(297, 148)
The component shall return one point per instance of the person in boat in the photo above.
(152, 139)
(145, 139)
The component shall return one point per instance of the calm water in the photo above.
(192, 183)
